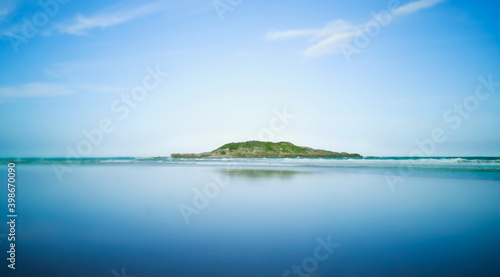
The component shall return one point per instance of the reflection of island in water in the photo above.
(265, 149)
(264, 173)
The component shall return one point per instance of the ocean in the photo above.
(377, 216)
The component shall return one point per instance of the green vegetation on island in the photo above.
(262, 149)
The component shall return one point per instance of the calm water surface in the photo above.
(124, 220)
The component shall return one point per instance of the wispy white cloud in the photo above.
(332, 37)
(328, 40)
(35, 90)
(81, 24)
(322, 40)
(52, 89)
(108, 18)
(416, 6)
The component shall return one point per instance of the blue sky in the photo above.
(348, 78)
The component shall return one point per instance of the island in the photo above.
(265, 149)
